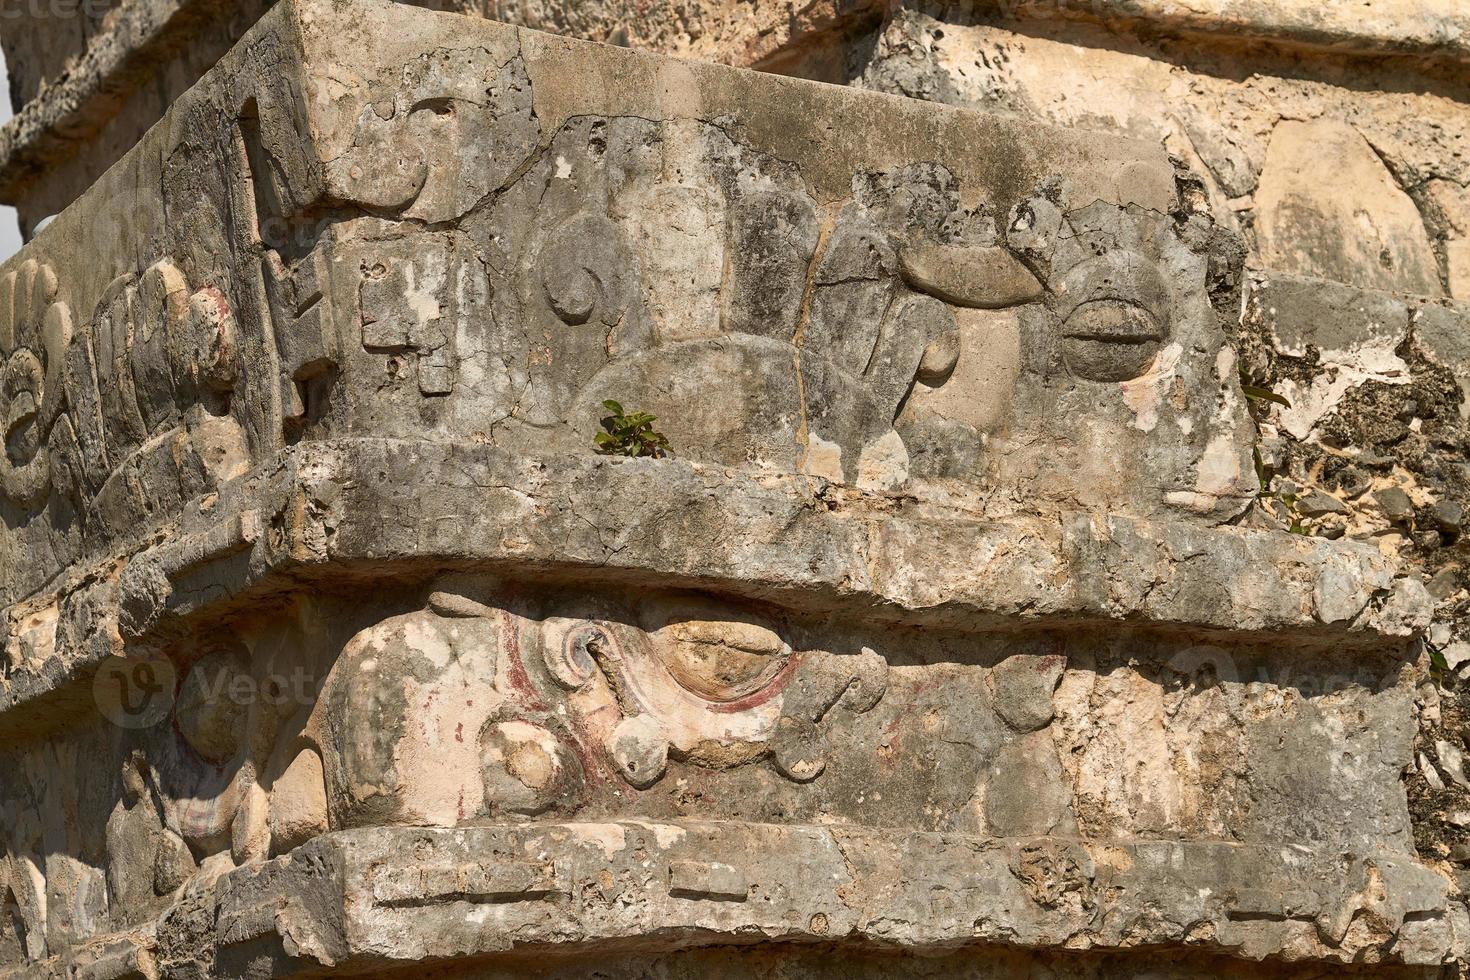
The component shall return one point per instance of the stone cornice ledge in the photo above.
(381, 897)
(120, 56)
(352, 511)
(1379, 27)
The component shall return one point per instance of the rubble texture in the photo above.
(1053, 573)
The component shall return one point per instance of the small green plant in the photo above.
(1439, 666)
(1257, 394)
(1286, 500)
(630, 435)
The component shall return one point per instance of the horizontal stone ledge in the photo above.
(341, 514)
(1397, 27)
(159, 42)
(72, 111)
(812, 544)
(372, 898)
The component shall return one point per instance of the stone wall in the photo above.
(1053, 572)
(1335, 146)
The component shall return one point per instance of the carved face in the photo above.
(1114, 311)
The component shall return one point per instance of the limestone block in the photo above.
(1327, 207)
(1354, 334)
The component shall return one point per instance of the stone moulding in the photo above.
(557, 520)
(69, 113)
(367, 900)
(688, 883)
(936, 632)
(1393, 28)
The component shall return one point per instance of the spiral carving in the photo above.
(35, 331)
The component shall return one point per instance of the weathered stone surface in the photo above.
(954, 621)
(1353, 336)
(1330, 209)
(1023, 689)
(835, 884)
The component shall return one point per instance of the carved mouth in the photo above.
(1113, 320)
(1110, 340)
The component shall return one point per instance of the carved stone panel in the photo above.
(336, 643)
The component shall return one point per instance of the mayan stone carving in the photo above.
(966, 628)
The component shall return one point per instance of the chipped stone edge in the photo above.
(322, 512)
(379, 897)
(54, 124)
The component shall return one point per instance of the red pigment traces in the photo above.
(220, 298)
(775, 687)
(510, 645)
(594, 773)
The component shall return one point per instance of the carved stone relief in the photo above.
(934, 631)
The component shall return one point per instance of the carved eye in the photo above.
(721, 659)
(573, 662)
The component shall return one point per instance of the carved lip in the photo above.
(1112, 320)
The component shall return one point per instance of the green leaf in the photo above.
(1437, 660)
(629, 435)
(1264, 395)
